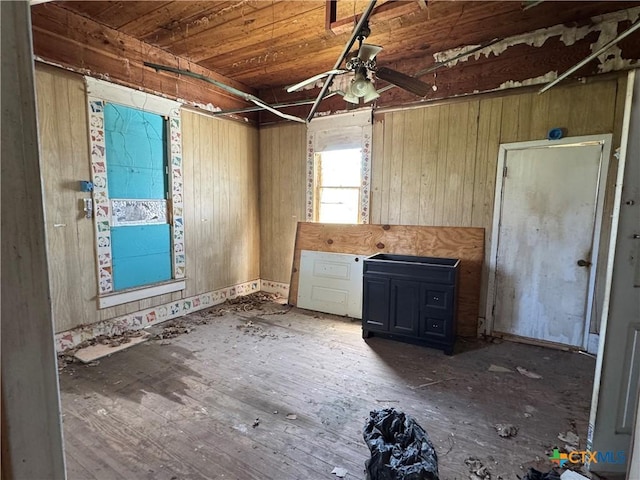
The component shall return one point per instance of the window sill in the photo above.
(126, 296)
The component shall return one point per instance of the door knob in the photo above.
(584, 263)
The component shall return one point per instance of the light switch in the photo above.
(88, 207)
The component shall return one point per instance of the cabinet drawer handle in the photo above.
(436, 298)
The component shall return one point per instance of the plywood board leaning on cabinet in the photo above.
(465, 243)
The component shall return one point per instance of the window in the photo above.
(136, 166)
(339, 168)
(338, 186)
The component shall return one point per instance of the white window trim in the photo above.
(100, 92)
(329, 131)
(126, 296)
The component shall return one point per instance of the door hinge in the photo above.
(504, 172)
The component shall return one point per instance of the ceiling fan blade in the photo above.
(410, 84)
(368, 52)
(314, 79)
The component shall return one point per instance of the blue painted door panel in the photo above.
(135, 183)
(136, 149)
(136, 153)
(141, 255)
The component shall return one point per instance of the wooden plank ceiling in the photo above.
(265, 45)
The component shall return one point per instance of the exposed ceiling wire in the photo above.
(294, 103)
(233, 91)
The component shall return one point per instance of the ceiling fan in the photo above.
(362, 63)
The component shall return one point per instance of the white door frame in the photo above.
(605, 141)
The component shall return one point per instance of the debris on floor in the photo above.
(173, 328)
(400, 448)
(340, 472)
(534, 474)
(435, 382)
(107, 346)
(292, 416)
(251, 328)
(529, 410)
(571, 439)
(499, 369)
(108, 343)
(247, 303)
(267, 303)
(527, 373)
(477, 469)
(256, 422)
(506, 430)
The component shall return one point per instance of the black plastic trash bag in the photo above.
(400, 448)
(534, 474)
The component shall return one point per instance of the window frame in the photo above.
(100, 93)
(318, 187)
(338, 132)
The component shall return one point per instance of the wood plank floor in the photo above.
(185, 408)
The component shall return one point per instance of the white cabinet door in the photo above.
(331, 283)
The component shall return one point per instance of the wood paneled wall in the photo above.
(431, 166)
(221, 203)
(282, 196)
(222, 231)
(436, 165)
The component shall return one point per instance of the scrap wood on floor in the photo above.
(89, 351)
(217, 387)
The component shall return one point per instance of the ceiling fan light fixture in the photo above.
(360, 85)
(350, 97)
(368, 52)
(371, 94)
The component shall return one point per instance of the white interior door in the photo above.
(544, 247)
(331, 283)
(617, 377)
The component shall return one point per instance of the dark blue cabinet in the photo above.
(411, 298)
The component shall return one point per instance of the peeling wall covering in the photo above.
(548, 77)
(605, 25)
